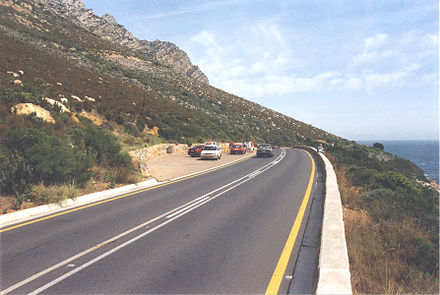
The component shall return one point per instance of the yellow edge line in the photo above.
(280, 269)
(118, 197)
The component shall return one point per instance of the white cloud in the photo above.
(375, 42)
(205, 38)
(371, 57)
(194, 8)
(263, 63)
(375, 80)
(353, 83)
(431, 40)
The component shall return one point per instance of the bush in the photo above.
(406, 167)
(15, 175)
(120, 174)
(42, 194)
(140, 124)
(131, 129)
(360, 176)
(379, 146)
(101, 145)
(52, 159)
(396, 182)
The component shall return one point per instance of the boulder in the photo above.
(18, 83)
(29, 108)
(153, 131)
(64, 109)
(76, 98)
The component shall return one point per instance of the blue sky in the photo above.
(358, 69)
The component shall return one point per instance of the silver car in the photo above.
(212, 150)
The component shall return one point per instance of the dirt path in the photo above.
(170, 166)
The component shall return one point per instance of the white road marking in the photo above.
(186, 208)
(189, 206)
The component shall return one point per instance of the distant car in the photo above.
(212, 150)
(238, 148)
(195, 150)
(265, 150)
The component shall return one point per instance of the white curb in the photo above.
(8, 219)
(334, 269)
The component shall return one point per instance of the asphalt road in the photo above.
(225, 231)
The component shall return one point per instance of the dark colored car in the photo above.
(196, 150)
(265, 150)
(238, 148)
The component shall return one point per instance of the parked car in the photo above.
(265, 150)
(238, 148)
(196, 150)
(212, 150)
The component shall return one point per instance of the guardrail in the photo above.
(333, 266)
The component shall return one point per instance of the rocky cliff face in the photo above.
(106, 27)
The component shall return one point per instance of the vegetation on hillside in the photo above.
(391, 217)
(391, 221)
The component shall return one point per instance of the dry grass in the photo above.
(377, 265)
(383, 255)
(41, 194)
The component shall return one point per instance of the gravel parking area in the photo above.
(171, 166)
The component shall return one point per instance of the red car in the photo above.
(195, 151)
(238, 148)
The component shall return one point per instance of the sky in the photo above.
(363, 70)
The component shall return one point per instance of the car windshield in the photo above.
(210, 147)
(237, 146)
(265, 146)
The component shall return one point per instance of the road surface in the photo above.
(226, 231)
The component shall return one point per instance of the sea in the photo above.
(423, 153)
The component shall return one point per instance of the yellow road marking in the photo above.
(118, 197)
(275, 282)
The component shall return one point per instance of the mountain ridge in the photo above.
(106, 27)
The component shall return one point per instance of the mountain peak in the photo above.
(106, 27)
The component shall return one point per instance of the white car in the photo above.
(212, 150)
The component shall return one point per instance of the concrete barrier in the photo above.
(334, 269)
(333, 266)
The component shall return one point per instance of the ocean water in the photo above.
(423, 153)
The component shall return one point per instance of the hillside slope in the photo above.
(87, 61)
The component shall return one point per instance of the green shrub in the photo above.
(361, 176)
(52, 159)
(405, 167)
(354, 155)
(397, 182)
(131, 129)
(101, 145)
(15, 175)
(140, 124)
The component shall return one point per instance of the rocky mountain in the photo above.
(106, 27)
(68, 54)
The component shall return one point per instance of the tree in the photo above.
(378, 145)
